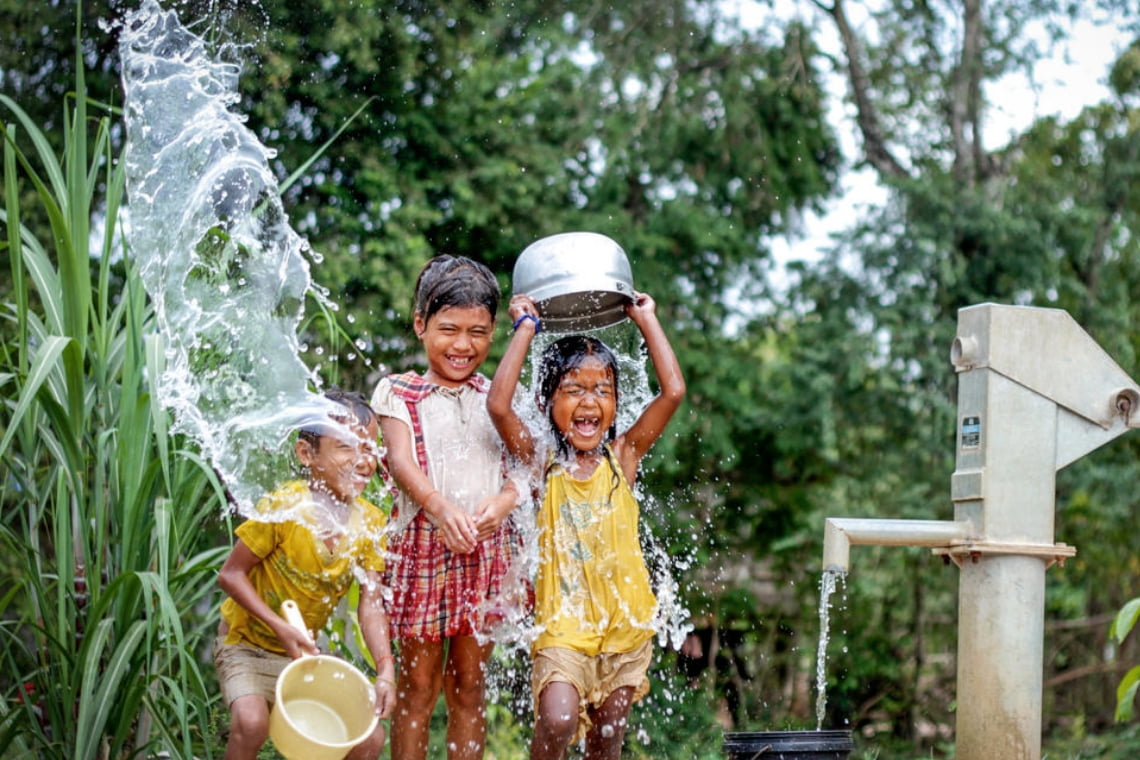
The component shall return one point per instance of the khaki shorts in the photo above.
(244, 670)
(595, 678)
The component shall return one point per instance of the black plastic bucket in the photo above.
(788, 745)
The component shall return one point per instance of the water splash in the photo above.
(226, 274)
(828, 583)
(671, 622)
(227, 277)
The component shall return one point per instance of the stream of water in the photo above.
(228, 277)
(226, 274)
(828, 583)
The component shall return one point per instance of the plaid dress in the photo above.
(437, 593)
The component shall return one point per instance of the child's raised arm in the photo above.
(634, 443)
(515, 434)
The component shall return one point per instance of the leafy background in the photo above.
(696, 144)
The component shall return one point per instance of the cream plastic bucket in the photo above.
(324, 706)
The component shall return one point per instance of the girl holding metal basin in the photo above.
(594, 605)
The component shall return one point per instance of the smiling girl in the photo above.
(593, 600)
(452, 541)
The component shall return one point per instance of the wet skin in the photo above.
(584, 405)
(341, 464)
(457, 340)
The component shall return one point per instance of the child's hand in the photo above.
(491, 512)
(385, 697)
(295, 641)
(458, 527)
(640, 307)
(522, 305)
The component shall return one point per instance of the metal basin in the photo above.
(579, 280)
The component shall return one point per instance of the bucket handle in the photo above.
(292, 614)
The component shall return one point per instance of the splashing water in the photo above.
(828, 583)
(226, 274)
(670, 623)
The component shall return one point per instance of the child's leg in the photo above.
(249, 727)
(464, 681)
(418, 682)
(370, 748)
(555, 722)
(608, 724)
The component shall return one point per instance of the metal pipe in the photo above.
(841, 533)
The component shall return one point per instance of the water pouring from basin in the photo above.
(226, 274)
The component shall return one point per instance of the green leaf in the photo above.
(100, 687)
(1125, 621)
(1126, 694)
(45, 364)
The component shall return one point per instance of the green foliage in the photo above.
(102, 532)
(486, 125)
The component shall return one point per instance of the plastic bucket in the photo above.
(788, 745)
(323, 707)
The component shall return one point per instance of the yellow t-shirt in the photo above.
(296, 564)
(592, 592)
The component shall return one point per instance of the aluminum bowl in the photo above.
(579, 280)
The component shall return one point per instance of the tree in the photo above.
(1045, 221)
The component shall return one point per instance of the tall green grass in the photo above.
(102, 547)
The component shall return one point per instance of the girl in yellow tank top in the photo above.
(594, 603)
(592, 593)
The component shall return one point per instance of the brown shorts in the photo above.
(244, 670)
(595, 678)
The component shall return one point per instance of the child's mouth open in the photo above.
(587, 427)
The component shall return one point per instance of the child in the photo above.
(310, 557)
(594, 604)
(452, 543)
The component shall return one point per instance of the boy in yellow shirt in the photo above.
(315, 537)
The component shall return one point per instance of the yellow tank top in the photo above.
(592, 590)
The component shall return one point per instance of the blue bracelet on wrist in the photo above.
(532, 318)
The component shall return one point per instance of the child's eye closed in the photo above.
(577, 391)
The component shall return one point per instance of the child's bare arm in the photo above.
(234, 580)
(641, 436)
(492, 510)
(458, 527)
(378, 638)
(514, 432)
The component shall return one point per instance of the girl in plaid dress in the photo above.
(453, 540)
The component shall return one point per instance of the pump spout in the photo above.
(841, 533)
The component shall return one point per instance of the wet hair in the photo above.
(454, 281)
(558, 359)
(360, 413)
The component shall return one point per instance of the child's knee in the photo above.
(370, 748)
(559, 712)
(249, 721)
(561, 722)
